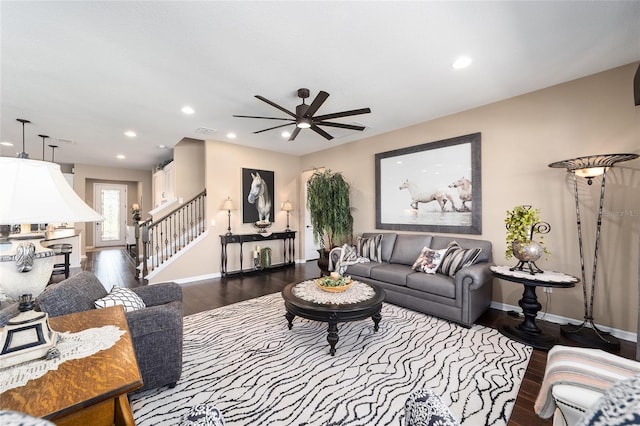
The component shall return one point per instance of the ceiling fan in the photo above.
(304, 116)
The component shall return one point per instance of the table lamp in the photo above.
(33, 191)
(228, 206)
(287, 207)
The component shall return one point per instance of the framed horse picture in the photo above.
(432, 187)
(257, 195)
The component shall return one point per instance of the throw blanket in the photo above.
(348, 255)
(587, 368)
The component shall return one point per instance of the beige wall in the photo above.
(223, 176)
(520, 137)
(138, 182)
(189, 163)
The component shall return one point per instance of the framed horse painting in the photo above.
(432, 187)
(257, 195)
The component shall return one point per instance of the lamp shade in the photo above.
(592, 165)
(227, 204)
(287, 206)
(36, 192)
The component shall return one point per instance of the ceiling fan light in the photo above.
(304, 123)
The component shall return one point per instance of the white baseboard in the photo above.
(198, 278)
(557, 319)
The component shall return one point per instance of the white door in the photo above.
(310, 247)
(110, 200)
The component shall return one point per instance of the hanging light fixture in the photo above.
(590, 167)
(43, 138)
(53, 153)
(23, 154)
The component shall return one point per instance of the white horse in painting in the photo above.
(420, 196)
(259, 195)
(463, 186)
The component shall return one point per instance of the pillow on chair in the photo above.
(425, 408)
(620, 405)
(121, 296)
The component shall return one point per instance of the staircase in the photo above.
(164, 238)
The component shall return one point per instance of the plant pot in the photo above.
(527, 251)
(323, 262)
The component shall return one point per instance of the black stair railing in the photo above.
(163, 238)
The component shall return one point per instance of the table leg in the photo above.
(376, 320)
(332, 337)
(527, 331)
(289, 316)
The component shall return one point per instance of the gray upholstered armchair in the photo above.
(156, 330)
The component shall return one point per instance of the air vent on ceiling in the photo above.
(62, 140)
(205, 131)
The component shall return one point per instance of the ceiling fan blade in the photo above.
(286, 111)
(271, 128)
(294, 134)
(321, 132)
(264, 118)
(316, 104)
(340, 125)
(342, 114)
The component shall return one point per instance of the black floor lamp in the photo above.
(590, 167)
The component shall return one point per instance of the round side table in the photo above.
(527, 331)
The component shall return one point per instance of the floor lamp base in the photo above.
(590, 336)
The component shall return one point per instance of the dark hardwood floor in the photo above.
(116, 266)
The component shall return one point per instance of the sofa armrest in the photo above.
(479, 274)
(159, 294)
(155, 319)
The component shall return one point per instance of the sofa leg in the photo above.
(173, 385)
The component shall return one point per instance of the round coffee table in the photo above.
(333, 309)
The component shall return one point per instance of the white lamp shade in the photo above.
(287, 206)
(227, 204)
(36, 192)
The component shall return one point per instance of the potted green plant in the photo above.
(329, 209)
(523, 223)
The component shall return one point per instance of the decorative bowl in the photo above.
(262, 226)
(333, 285)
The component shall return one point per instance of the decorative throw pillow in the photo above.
(370, 248)
(429, 260)
(457, 258)
(121, 296)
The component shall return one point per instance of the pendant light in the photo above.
(53, 152)
(23, 154)
(43, 138)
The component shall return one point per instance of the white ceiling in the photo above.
(85, 72)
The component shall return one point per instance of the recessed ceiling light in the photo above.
(162, 146)
(6, 143)
(461, 62)
(130, 133)
(231, 135)
(120, 157)
(285, 134)
(187, 109)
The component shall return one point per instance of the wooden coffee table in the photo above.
(333, 313)
(87, 391)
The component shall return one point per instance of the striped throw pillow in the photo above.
(456, 258)
(370, 248)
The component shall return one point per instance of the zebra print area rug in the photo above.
(243, 359)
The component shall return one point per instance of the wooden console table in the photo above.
(86, 391)
(288, 246)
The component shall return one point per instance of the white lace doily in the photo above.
(309, 291)
(71, 346)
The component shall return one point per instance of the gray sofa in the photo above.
(462, 298)
(156, 330)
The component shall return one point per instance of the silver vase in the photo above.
(528, 251)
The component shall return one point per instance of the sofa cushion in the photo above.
(457, 258)
(408, 247)
(441, 285)
(393, 273)
(121, 296)
(362, 269)
(440, 241)
(429, 260)
(387, 243)
(370, 248)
